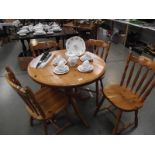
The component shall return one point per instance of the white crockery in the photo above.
(86, 56)
(56, 29)
(50, 32)
(72, 60)
(22, 31)
(61, 68)
(59, 59)
(85, 67)
(75, 46)
(22, 34)
(39, 33)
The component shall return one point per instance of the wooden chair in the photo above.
(99, 47)
(43, 105)
(137, 82)
(39, 47)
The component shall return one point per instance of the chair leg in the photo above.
(31, 121)
(115, 129)
(99, 106)
(136, 118)
(45, 127)
(101, 83)
(97, 94)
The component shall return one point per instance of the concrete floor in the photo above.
(14, 120)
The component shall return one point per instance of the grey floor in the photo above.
(14, 120)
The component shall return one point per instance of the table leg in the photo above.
(63, 42)
(28, 41)
(78, 113)
(57, 40)
(95, 32)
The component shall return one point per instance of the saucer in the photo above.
(22, 34)
(89, 69)
(57, 71)
(37, 34)
(57, 30)
(23, 31)
(50, 32)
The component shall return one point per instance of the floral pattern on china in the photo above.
(75, 46)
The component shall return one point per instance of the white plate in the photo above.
(75, 45)
(22, 31)
(50, 32)
(39, 33)
(56, 70)
(57, 30)
(80, 69)
(22, 34)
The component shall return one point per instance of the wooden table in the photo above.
(70, 80)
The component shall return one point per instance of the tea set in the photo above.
(62, 65)
(72, 56)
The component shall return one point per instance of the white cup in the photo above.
(61, 66)
(85, 65)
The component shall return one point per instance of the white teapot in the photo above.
(72, 60)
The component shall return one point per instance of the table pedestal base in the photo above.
(72, 100)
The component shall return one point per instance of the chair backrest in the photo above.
(24, 92)
(40, 47)
(139, 75)
(99, 47)
(11, 76)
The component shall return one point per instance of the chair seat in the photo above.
(122, 97)
(51, 102)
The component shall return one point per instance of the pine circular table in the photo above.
(70, 80)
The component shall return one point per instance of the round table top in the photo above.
(73, 78)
